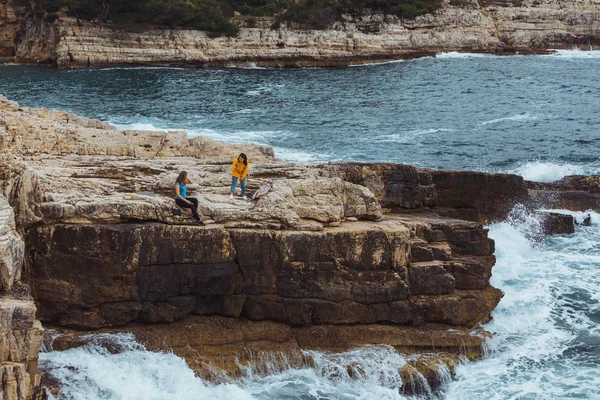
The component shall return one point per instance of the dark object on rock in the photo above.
(176, 211)
(587, 221)
(555, 223)
(264, 189)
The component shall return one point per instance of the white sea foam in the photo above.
(408, 136)
(542, 171)
(574, 54)
(376, 63)
(366, 373)
(287, 154)
(238, 136)
(544, 317)
(257, 137)
(94, 373)
(244, 111)
(457, 55)
(250, 65)
(129, 372)
(518, 117)
(140, 126)
(125, 68)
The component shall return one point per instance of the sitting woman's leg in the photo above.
(182, 203)
(193, 206)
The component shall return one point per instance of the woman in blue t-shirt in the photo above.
(182, 200)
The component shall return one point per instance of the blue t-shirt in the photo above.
(182, 190)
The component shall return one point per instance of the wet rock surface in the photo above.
(556, 223)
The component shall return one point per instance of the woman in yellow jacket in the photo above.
(239, 170)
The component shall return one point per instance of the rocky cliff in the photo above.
(20, 331)
(484, 26)
(336, 255)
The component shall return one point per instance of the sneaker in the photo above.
(245, 198)
(231, 196)
(200, 222)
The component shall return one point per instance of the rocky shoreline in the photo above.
(496, 27)
(336, 256)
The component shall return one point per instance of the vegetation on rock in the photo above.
(215, 16)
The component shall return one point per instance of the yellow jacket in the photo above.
(239, 169)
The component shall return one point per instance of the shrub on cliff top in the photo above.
(313, 14)
(214, 15)
(206, 15)
(410, 9)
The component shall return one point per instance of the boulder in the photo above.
(555, 223)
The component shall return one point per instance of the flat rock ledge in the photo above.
(335, 256)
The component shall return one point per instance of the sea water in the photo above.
(536, 116)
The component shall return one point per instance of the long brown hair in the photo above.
(182, 178)
(243, 155)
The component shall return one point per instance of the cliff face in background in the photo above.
(496, 26)
(336, 255)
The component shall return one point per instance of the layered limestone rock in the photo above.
(484, 26)
(359, 273)
(578, 193)
(20, 331)
(11, 248)
(468, 195)
(35, 132)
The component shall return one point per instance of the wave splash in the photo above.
(545, 171)
(457, 55)
(115, 366)
(545, 334)
(124, 370)
(574, 54)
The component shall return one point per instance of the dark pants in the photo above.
(193, 206)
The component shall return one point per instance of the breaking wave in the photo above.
(455, 54)
(518, 117)
(117, 367)
(574, 54)
(545, 328)
(540, 171)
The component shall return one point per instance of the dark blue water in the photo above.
(451, 112)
